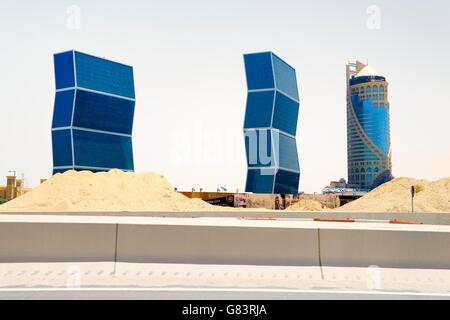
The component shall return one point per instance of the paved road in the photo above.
(203, 294)
(432, 218)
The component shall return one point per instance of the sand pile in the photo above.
(307, 205)
(395, 196)
(105, 191)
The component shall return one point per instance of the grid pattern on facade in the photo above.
(270, 125)
(93, 114)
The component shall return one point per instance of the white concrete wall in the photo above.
(56, 242)
(240, 242)
(217, 245)
(385, 248)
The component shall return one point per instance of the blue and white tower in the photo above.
(368, 127)
(93, 114)
(270, 125)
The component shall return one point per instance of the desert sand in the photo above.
(307, 205)
(395, 196)
(120, 191)
(105, 191)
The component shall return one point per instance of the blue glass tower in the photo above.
(270, 125)
(93, 114)
(368, 127)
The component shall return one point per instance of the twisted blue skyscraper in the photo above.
(93, 114)
(270, 125)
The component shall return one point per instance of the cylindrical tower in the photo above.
(368, 127)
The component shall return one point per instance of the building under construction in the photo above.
(13, 189)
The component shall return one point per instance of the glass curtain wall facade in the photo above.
(270, 125)
(368, 127)
(93, 114)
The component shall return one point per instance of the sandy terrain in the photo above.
(307, 205)
(395, 196)
(106, 191)
(118, 191)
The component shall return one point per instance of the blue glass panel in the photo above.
(104, 75)
(106, 113)
(62, 148)
(259, 109)
(94, 170)
(287, 182)
(374, 121)
(258, 148)
(258, 68)
(286, 114)
(285, 77)
(62, 113)
(287, 150)
(55, 171)
(64, 70)
(102, 150)
(259, 181)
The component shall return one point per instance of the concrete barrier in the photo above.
(433, 218)
(385, 248)
(217, 245)
(56, 242)
(222, 241)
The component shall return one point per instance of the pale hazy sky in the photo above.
(190, 80)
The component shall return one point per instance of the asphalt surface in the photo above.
(207, 294)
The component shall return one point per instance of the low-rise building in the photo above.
(13, 189)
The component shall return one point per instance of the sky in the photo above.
(190, 80)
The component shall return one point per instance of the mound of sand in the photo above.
(395, 196)
(307, 205)
(105, 191)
